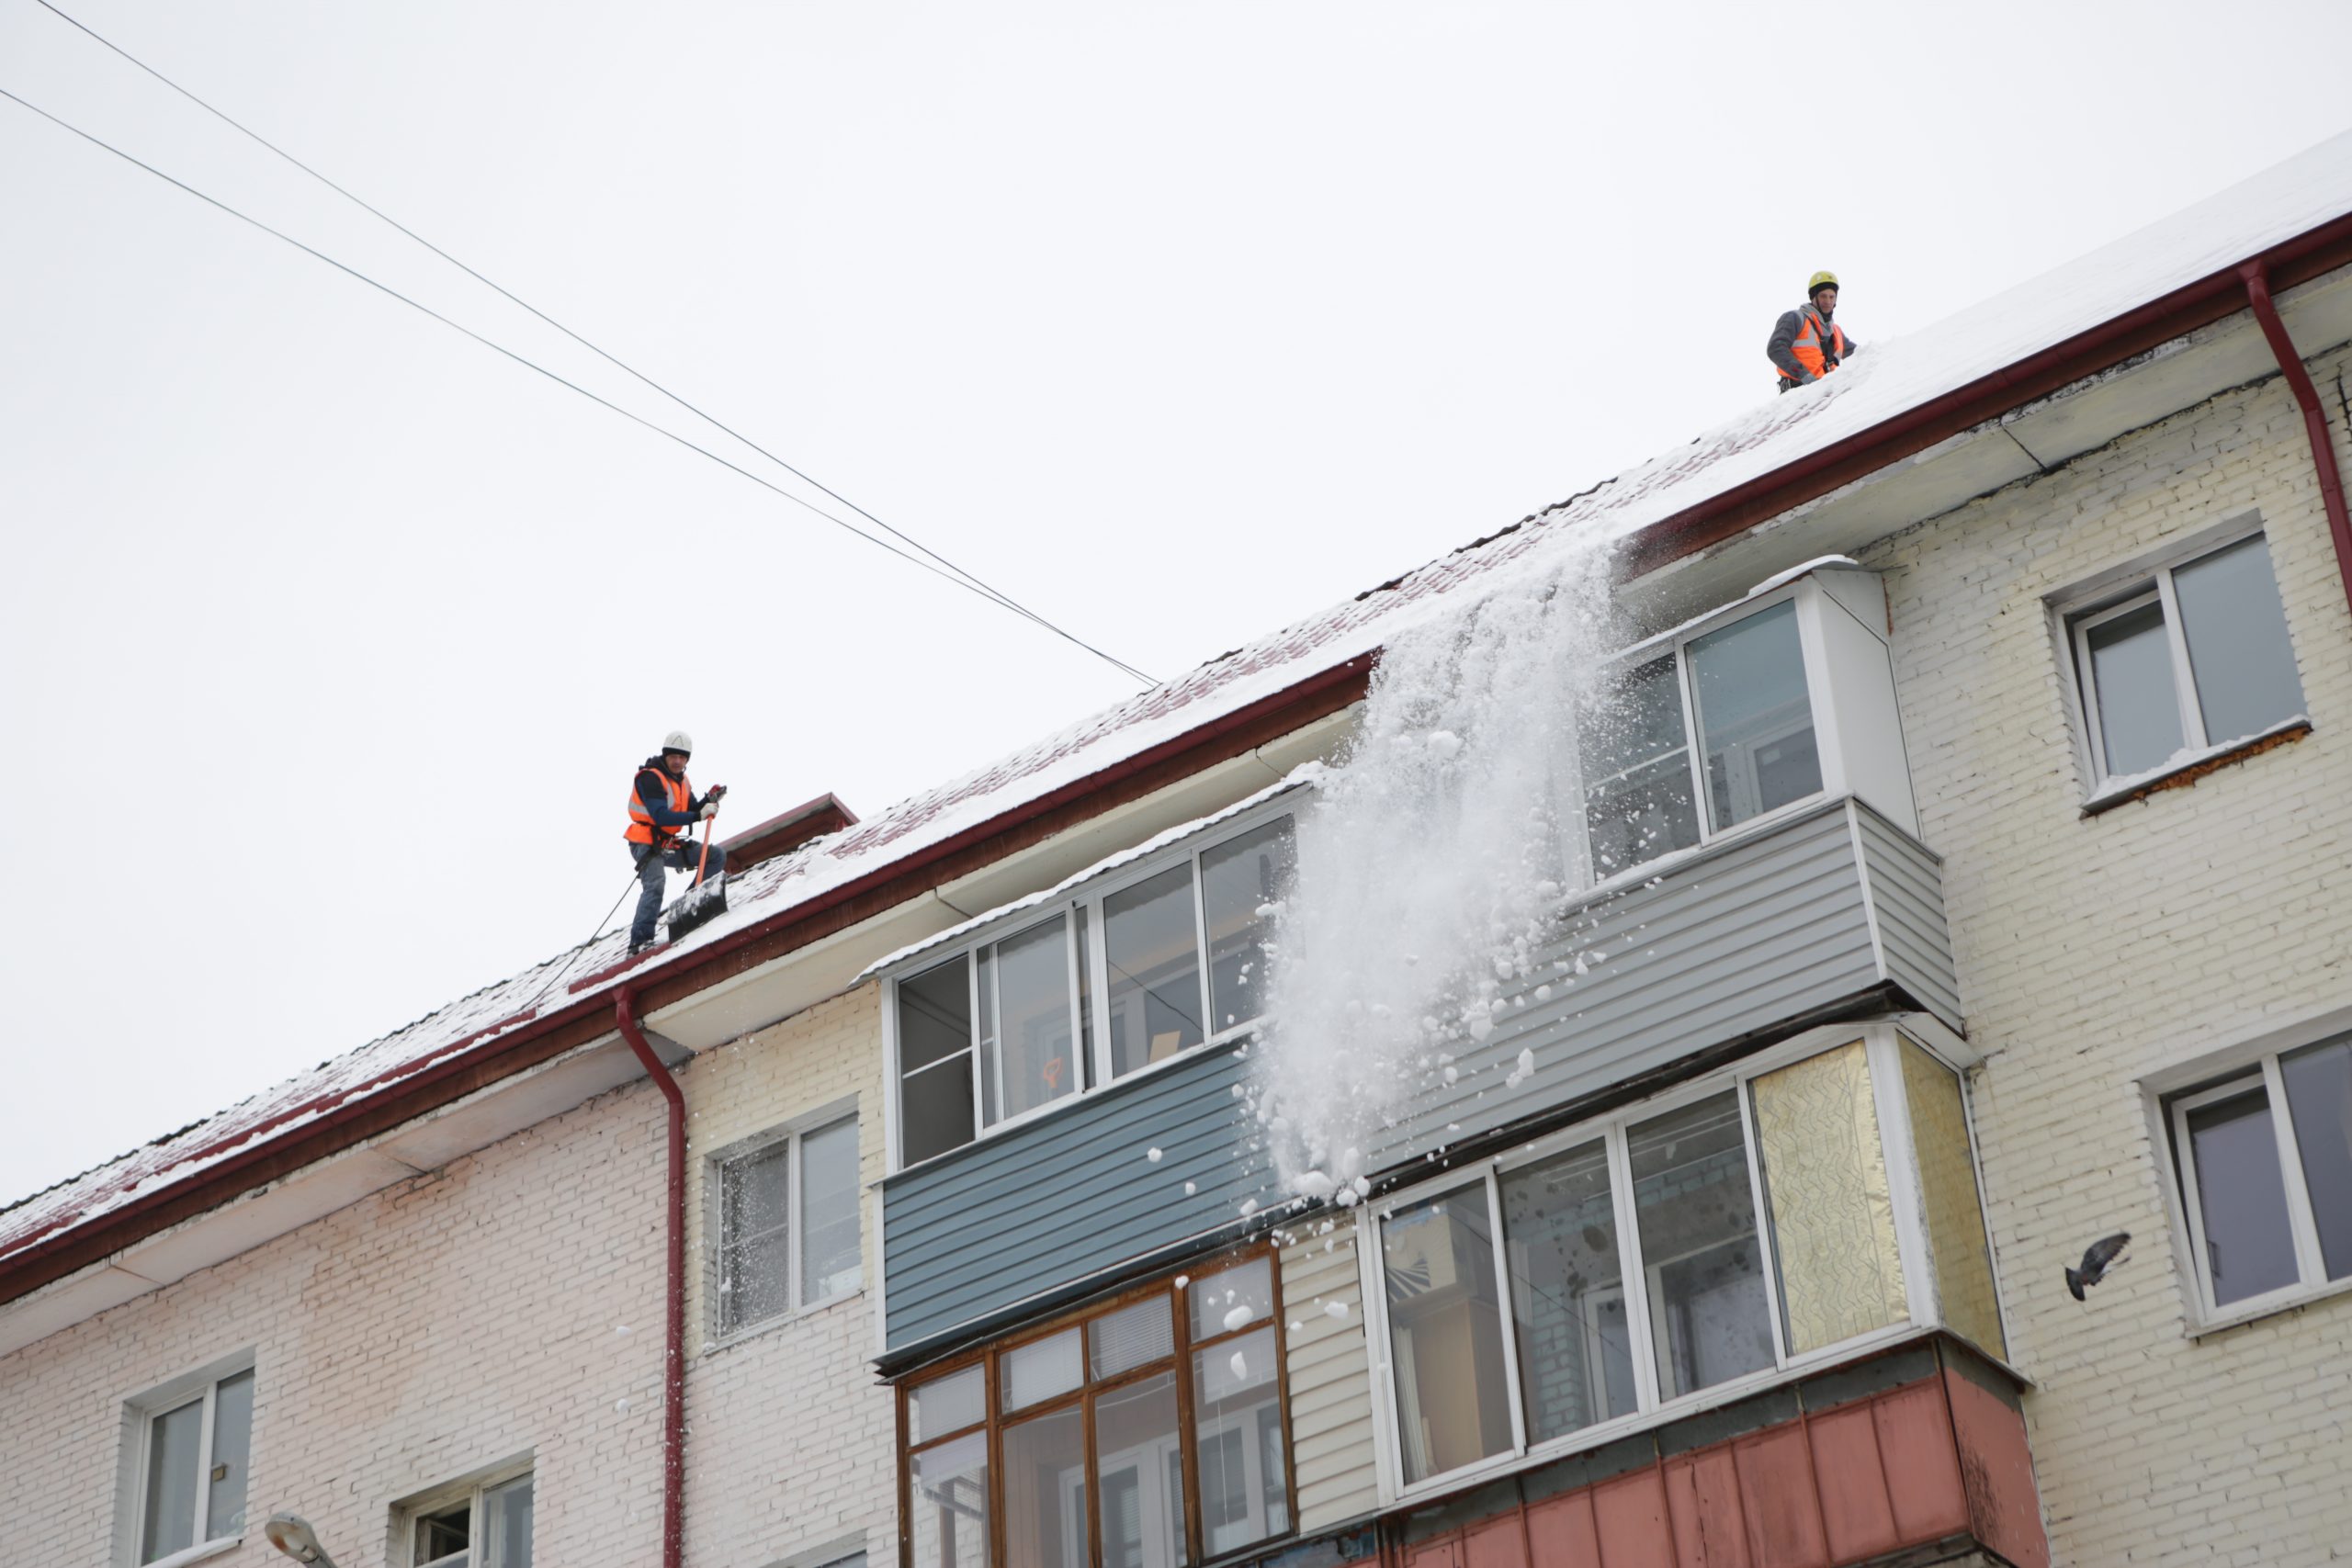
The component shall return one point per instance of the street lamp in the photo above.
(292, 1536)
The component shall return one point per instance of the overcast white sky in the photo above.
(331, 639)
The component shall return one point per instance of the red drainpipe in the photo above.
(2331, 480)
(673, 1377)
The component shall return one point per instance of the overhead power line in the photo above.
(969, 579)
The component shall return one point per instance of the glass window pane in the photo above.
(507, 1525)
(935, 1015)
(1956, 1244)
(949, 1488)
(2238, 652)
(1131, 1337)
(1085, 1003)
(1636, 762)
(233, 1442)
(1151, 949)
(1233, 1300)
(2139, 714)
(1244, 1499)
(935, 1109)
(1709, 1319)
(1826, 1193)
(1445, 1333)
(1044, 1491)
(2242, 1198)
(1038, 1372)
(1037, 1061)
(755, 1227)
(1755, 716)
(1140, 1470)
(829, 1211)
(1238, 879)
(172, 1469)
(443, 1539)
(2319, 1097)
(1575, 1352)
(945, 1405)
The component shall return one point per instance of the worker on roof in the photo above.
(661, 809)
(1806, 343)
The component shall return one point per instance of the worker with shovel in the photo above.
(661, 809)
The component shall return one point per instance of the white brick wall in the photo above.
(2094, 952)
(425, 1332)
(793, 1442)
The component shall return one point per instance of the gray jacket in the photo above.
(1781, 349)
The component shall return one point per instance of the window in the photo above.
(1138, 970)
(787, 1223)
(2190, 660)
(1742, 689)
(472, 1526)
(1727, 1235)
(193, 1439)
(1148, 1433)
(2268, 1196)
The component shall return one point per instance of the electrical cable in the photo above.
(953, 574)
(229, 120)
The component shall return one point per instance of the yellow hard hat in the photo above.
(1821, 280)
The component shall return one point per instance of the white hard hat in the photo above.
(678, 741)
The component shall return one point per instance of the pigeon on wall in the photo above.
(2098, 1258)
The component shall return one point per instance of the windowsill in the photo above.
(718, 1342)
(2185, 768)
(2291, 1300)
(1222, 1040)
(209, 1549)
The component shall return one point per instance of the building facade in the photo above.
(1970, 882)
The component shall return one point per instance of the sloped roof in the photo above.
(1977, 351)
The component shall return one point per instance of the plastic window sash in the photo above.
(1802, 593)
(2157, 587)
(1098, 1071)
(201, 1505)
(2302, 1225)
(1650, 1408)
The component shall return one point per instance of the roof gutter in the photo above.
(673, 1286)
(2290, 363)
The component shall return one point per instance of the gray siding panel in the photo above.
(1719, 947)
(1907, 896)
(1068, 1195)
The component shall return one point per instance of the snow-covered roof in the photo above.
(1893, 378)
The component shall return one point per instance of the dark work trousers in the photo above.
(651, 884)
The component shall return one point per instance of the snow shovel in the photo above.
(706, 900)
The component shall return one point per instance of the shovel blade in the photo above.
(698, 906)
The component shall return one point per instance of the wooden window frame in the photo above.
(995, 1418)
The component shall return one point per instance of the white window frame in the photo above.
(2302, 1225)
(793, 1133)
(1095, 1030)
(1824, 681)
(470, 1491)
(140, 1415)
(1883, 1041)
(2079, 610)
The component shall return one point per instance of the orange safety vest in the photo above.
(641, 829)
(1807, 348)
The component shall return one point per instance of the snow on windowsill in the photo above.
(2185, 767)
(202, 1552)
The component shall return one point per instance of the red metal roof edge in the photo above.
(2199, 303)
(793, 817)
